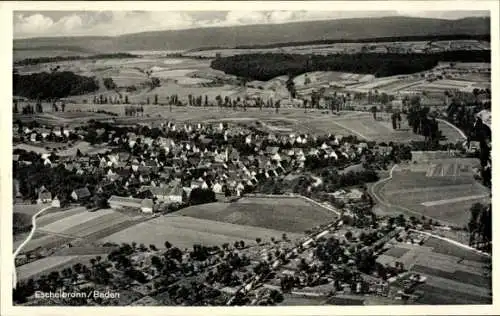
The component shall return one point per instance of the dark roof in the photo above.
(272, 149)
(82, 193)
(45, 195)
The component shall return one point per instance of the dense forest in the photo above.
(267, 66)
(42, 60)
(49, 86)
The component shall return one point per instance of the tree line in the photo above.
(423, 123)
(462, 113)
(416, 38)
(55, 85)
(270, 65)
(43, 60)
(480, 226)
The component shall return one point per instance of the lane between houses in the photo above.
(21, 246)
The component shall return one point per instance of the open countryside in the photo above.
(315, 171)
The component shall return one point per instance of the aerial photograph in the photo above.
(251, 158)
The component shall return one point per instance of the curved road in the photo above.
(383, 202)
(375, 188)
(454, 127)
(18, 250)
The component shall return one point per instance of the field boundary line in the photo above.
(329, 208)
(372, 191)
(454, 127)
(454, 200)
(18, 250)
(454, 242)
(451, 241)
(351, 130)
(294, 196)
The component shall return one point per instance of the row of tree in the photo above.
(102, 99)
(42, 60)
(134, 111)
(480, 226)
(422, 123)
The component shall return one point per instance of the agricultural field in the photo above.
(184, 231)
(53, 263)
(440, 190)
(190, 76)
(298, 300)
(454, 275)
(28, 209)
(46, 241)
(76, 226)
(291, 215)
(360, 124)
(51, 217)
(78, 115)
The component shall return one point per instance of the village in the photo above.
(159, 169)
(224, 159)
(251, 164)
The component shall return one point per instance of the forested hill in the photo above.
(359, 28)
(267, 66)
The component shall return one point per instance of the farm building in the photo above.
(56, 202)
(119, 202)
(44, 196)
(80, 194)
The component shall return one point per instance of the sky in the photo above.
(110, 23)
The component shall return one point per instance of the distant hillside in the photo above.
(266, 34)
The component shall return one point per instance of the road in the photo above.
(24, 243)
(454, 127)
(380, 200)
(374, 191)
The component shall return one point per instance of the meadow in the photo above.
(184, 231)
(288, 215)
(442, 196)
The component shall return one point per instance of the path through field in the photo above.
(18, 250)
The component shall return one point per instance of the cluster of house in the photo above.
(170, 168)
(40, 134)
(45, 196)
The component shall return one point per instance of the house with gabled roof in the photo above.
(271, 150)
(44, 196)
(217, 187)
(118, 202)
(80, 194)
(56, 202)
(199, 183)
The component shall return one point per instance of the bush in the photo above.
(109, 83)
(201, 196)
